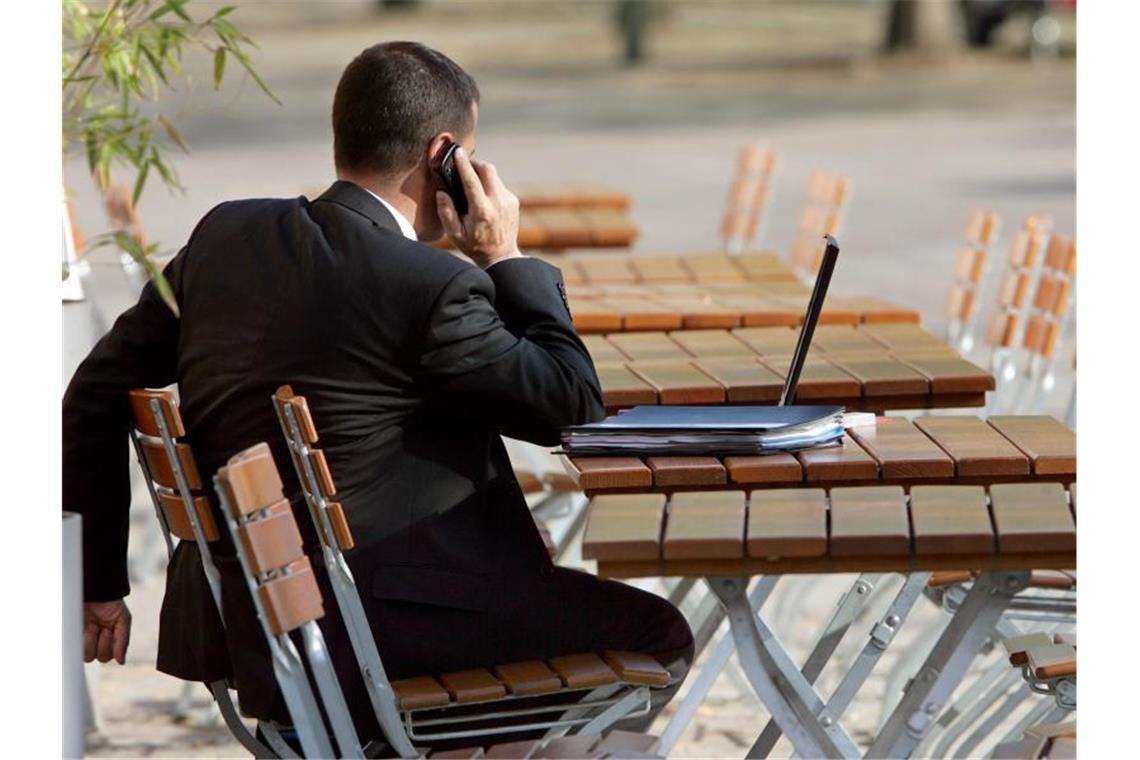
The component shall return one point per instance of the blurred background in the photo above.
(931, 109)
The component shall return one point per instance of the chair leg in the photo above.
(234, 723)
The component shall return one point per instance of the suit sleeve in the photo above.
(500, 347)
(140, 350)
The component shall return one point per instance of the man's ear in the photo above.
(435, 146)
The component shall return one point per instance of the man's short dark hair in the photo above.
(392, 99)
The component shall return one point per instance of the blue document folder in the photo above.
(708, 430)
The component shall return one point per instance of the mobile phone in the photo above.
(443, 166)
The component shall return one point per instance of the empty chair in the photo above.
(822, 214)
(962, 300)
(182, 508)
(747, 198)
(285, 594)
(609, 686)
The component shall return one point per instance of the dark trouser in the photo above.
(538, 616)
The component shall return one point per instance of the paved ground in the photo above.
(924, 142)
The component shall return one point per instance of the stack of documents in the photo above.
(708, 430)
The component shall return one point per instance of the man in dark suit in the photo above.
(413, 362)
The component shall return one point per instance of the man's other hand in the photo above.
(490, 230)
(106, 631)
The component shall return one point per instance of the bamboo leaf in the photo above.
(140, 183)
(219, 66)
(173, 133)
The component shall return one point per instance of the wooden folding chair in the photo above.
(822, 214)
(747, 198)
(1048, 321)
(613, 686)
(1007, 322)
(285, 594)
(182, 509)
(961, 302)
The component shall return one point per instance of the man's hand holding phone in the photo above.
(489, 231)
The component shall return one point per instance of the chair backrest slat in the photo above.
(254, 480)
(272, 541)
(144, 418)
(174, 509)
(160, 466)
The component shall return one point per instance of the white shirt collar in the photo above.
(406, 228)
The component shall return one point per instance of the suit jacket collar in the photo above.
(353, 196)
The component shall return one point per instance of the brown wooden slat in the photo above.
(609, 228)
(707, 343)
(789, 522)
(702, 313)
(819, 379)
(950, 374)
(1032, 517)
(1050, 445)
(611, 472)
(902, 337)
(660, 269)
(419, 693)
(769, 468)
(592, 317)
(605, 268)
(637, 667)
(624, 526)
(902, 450)
(686, 471)
(844, 339)
(869, 520)
(768, 341)
(623, 387)
(838, 463)
(601, 350)
(705, 524)
(884, 376)
(872, 309)
(951, 520)
(977, 449)
(530, 677)
(477, 685)
(712, 267)
(761, 311)
(679, 382)
(582, 671)
(646, 346)
(745, 380)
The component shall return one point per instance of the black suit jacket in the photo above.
(413, 363)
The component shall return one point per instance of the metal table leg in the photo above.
(789, 698)
(848, 609)
(947, 663)
(712, 668)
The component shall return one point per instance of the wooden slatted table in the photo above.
(615, 289)
(952, 450)
(872, 528)
(848, 366)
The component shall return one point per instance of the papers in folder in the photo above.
(708, 430)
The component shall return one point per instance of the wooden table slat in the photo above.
(768, 341)
(869, 520)
(624, 526)
(902, 450)
(672, 471)
(599, 473)
(642, 314)
(622, 387)
(951, 520)
(679, 382)
(703, 343)
(745, 381)
(1032, 517)
(1050, 445)
(950, 374)
(884, 376)
(819, 379)
(705, 524)
(787, 522)
(977, 449)
(843, 339)
(838, 463)
(768, 468)
(659, 269)
(641, 346)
